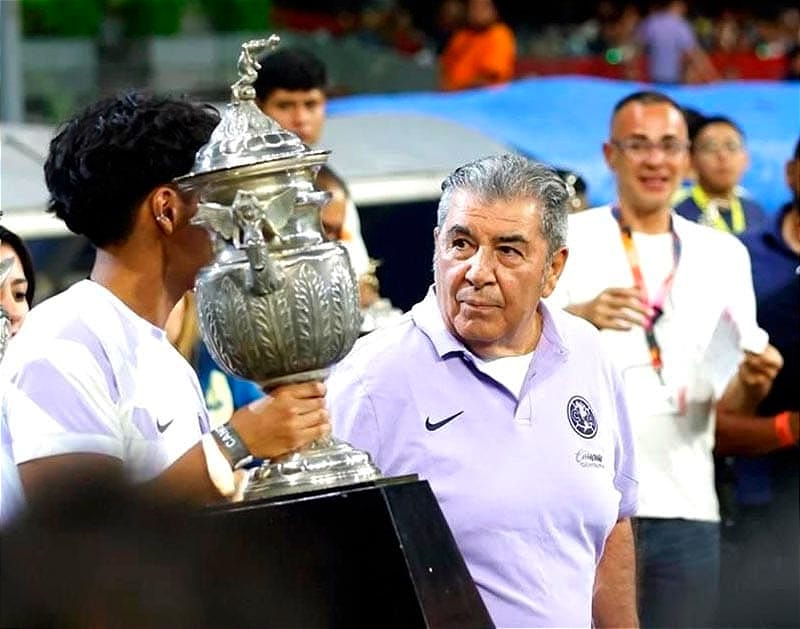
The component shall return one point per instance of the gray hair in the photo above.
(510, 177)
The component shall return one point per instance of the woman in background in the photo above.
(17, 285)
(16, 293)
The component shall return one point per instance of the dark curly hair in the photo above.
(292, 69)
(106, 160)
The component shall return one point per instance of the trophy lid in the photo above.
(245, 135)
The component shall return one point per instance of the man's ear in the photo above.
(793, 175)
(165, 208)
(553, 272)
(610, 155)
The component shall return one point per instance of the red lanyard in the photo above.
(657, 303)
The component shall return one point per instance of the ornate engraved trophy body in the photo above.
(278, 304)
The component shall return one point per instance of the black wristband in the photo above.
(232, 446)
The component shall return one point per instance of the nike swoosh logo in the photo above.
(436, 425)
(162, 427)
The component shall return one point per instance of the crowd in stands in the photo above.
(681, 252)
(609, 32)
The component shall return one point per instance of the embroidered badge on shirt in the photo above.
(581, 417)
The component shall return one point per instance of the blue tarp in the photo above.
(564, 121)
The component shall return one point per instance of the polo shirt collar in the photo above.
(426, 317)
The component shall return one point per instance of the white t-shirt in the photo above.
(672, 423)
(354, 242)
(510, 371)
(86, 374)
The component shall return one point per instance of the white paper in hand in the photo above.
(726, 350)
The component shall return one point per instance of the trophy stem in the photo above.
(325, 462)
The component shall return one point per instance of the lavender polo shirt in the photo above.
(531, 485)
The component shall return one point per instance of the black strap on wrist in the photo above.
(232, 446)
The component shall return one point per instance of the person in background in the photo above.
(481, 53)
(671, 48)
(506, 407)
(719, 158)
(91, 381)
(642, 275)
(291, 89)
(793, 64)
(222, 392)
(761, 545)
(19, 286)
(376, 311)
(449, 18)
(17, 290)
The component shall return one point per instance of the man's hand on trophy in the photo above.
(292, 416)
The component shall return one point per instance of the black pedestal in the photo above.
(371, 555)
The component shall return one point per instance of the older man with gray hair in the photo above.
(509, 409)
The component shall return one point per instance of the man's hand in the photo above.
(291, 417)
(758, 371)
(614, 309)
(749, 385)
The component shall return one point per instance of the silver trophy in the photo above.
(278, 304)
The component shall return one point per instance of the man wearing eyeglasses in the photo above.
(719, 158)
(641, 274)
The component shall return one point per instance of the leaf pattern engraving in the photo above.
(311, 320)
(339, 299)
(309, 324)
(268, 356)
(234, 310)
(284, 337)
(219, 338)
(351, 308)
(244, 323)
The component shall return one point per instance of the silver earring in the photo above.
(161, 217)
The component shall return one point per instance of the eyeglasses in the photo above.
(724, 147)
(640, 148)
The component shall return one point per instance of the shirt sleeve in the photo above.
(625, 475)
(740, 306)
(244, 391)
(352, 412)
(63, 403)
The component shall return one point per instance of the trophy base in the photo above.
(377, 554)
(326, 463)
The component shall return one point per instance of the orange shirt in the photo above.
(475, 58)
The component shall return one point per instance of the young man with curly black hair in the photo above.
(92, 382)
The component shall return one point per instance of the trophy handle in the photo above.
(253, 219)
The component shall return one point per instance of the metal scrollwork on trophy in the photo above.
(278, 304)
